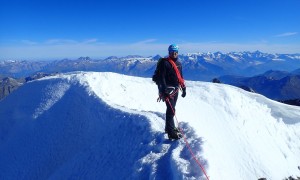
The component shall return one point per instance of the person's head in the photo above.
(173, 51)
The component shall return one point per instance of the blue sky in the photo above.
(69, 29)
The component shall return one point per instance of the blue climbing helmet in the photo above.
(173, 48)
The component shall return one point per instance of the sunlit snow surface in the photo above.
(88, 125)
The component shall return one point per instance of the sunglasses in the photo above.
(174, 52)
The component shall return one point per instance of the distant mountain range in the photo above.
(196, 66)
(278, 85)
(273, 75)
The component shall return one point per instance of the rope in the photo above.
(160, 96)
(187, 143)
(180, 79)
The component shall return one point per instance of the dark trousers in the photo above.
(170, 124)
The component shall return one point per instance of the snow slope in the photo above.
(87, 125)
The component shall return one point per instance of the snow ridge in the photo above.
(87, 125)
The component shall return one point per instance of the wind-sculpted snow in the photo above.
(53, 93)
(87, 125)
(75, 135)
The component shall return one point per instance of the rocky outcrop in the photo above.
(8, 85)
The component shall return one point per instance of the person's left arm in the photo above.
(184, 87)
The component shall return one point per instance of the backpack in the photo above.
(156, 74)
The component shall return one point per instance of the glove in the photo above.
(183, 92)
